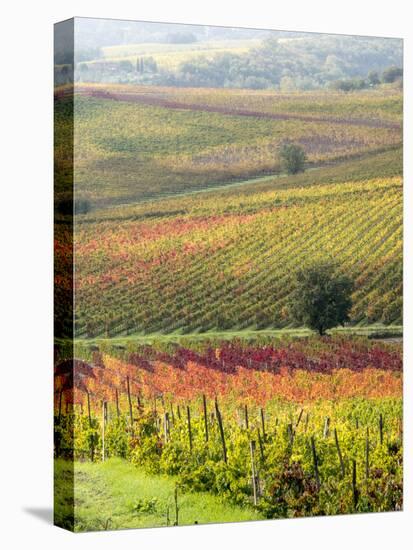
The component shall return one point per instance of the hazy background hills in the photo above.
(199, 56)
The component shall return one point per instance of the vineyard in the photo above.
(192, 227)
(194, 264)
(376, 108)
(185, 390)
(306, 427)
(134, 143)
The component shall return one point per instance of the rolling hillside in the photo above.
(188, 203)
(133, 143)
(197, 265)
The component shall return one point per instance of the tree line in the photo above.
(303, 63)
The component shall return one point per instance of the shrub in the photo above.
(293, 157)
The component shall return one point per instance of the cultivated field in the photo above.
(144, 142)
(190, 395)
(196, 261)
(307, 427)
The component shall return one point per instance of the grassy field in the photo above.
(378, 107)
(116, 495)
(135, 142)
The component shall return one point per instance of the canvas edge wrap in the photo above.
(63, 294)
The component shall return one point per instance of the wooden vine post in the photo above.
(263, 424)
(166, 427)
(340, 456)
(104, 416)
(92, 442)
(204, 404)
(247, 425)
(88, 409)
(381, 428)
(117, 402)
(221, 431)
(354, 486)
(253, 472)
(315, 460)
(326, 431)
(261, 445)
(130, 405)
(367, 454)
(299, 418)
(188, 414)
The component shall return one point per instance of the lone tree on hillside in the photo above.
(321, 298)
(293, 157)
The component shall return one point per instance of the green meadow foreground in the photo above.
(115, 495)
